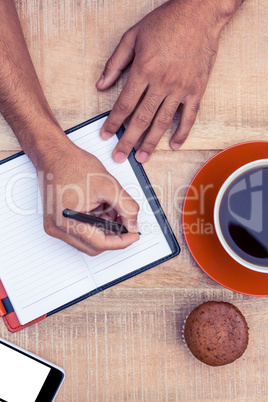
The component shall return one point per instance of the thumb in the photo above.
(122, 56)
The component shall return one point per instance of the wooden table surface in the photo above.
(125, 343)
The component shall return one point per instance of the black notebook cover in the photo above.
(156, 208)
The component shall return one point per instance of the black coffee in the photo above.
(244, 216)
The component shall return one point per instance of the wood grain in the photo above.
(70, 42)
(125, 343)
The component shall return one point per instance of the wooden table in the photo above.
(125, 343)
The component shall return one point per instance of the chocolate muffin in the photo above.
(216, 333)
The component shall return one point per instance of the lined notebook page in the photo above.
(41, 273)
(152, 245)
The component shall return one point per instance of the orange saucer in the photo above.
(198, 226)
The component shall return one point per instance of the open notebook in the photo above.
(40, 274)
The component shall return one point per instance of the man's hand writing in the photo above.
(77, 180)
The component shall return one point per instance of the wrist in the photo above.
(35, 126)
(44, 144)
(221, 10)
(214, 13)
(229, 7)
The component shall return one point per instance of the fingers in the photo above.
(160, 124)
(124, 106)
(105, 211)
(122, 56)
(89, 239)
(156, 112)
(139, 123)
(153, 113)
(123, 203)
(163, 120)
(189, 113)
(108, 200)
(94, 240)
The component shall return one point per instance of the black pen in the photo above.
(95, 221)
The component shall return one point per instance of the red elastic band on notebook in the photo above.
(2, 309)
